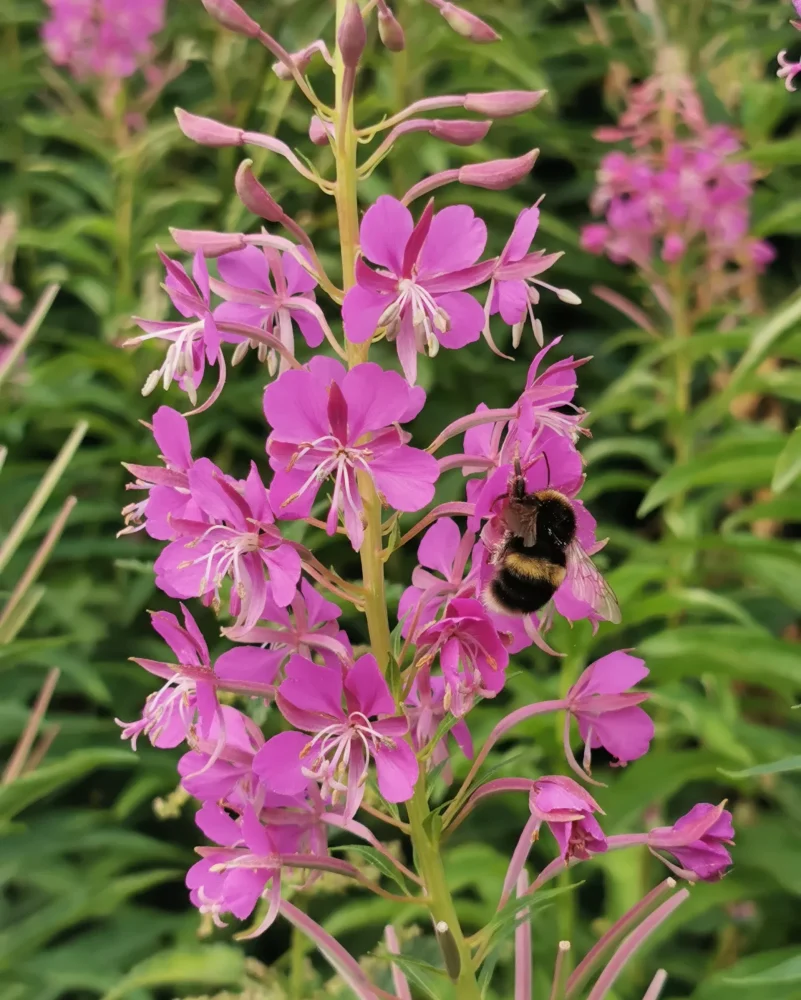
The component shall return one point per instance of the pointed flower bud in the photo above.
(466, 24)
(460, 133)
(302, 58)
(497, 175)
(254, 197)
(503, 103)
(206, 131)
(320, 131)
(352, 35)
(389, 30)
(230, 15)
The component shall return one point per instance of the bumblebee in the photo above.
(538, 551)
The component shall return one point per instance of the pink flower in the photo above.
(168, 487)
(189, 696)
(219, 768)
(107, 38)
(267, 290)
(194, 341)
(353, 716)
(696, 841)
(329, 422)
(568, 810)
(425, 709)
(444, 550)
(237, 539)
(514, 287)
(471, 654)
(607, 712)
(311, 627)
(245, 869)
(418, 294)
(545, 396)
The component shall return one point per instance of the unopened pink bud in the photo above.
(230, 15)
(503, 103)
(389, 31)
(206, 131)
(352, 35)
(497, 175)
(302, 59)
(254, 197)
(460, 132)
(212, 244)
(468, 25)
(320, 131)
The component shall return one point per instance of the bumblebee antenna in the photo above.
(547, 466)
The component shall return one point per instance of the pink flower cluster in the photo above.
(679, 196)
(102, 38)
(356, 729)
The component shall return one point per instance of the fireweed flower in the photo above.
(417, 296)
(696, 841)
(105, 38)
(220, 767)
(329, 422)
(167, 487)
(514, 288)
(238, 538)
(353, 717)
(246, 868)
(607, 712)
(425, 709)
(193, 342)
(187, 702)
(567, 809)
(471, 654)
(270, 291)
(788, 70)
(308, 624)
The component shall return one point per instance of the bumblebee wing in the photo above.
(588, 585)
(522, 522)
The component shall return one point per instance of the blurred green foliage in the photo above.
(94, 904)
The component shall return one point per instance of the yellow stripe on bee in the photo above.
(533, 568)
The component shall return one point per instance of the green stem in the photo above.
(682, 381)
(429, 863)
(375, 605)
(297, 968)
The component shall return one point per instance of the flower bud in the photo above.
(230, 15)
(503, 103)
(206, 131)
(352, 35)
(212, 244)
(568, 297)
(301, 59)
(497, 175)
(254, 197)
(459, 132)
(389, 31)
(468, 25)
(319, 131)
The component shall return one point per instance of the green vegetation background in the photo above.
(93, 902)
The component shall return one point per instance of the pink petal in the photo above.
(214, 496)
(466, 319)
(171, 432)
(366, 689)
(298, 279)
(397, 772)
(309, 326)
(245, 268)
(523, 234)
(217, 825)
(284, 566)
(407, 348)
(456, 239)
(385, 231)
(376, 399)
(311, 696)
(285, 485)
(361, 311)
(626, 733)
(511, 301)
(405, 477)
(296, 407)
(248, 663)
(438, 548)
(611, 674)
(278, 764)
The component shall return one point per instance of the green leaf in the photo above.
(420, 974)
(782, 152)
(784, 972)
(735, 462)
(377, 860)
(29, 788)
(774, 767)
(788, 464)
(216, 965)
